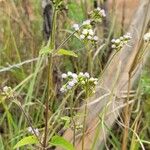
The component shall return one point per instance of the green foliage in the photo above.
(59, 141)
(66, 52)
(45, 50)
(26, 141)
(66, 120)
(146, 83)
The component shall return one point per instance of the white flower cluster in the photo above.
(74, 79)
(32, 132)
(147, 37)
(8, 91)
(117, 44)
(101, 12)
(97, 14)
(85, 31)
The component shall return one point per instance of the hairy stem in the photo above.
(51, 44)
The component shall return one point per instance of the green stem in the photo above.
(84, 119)
(51, 44)
(72, 118)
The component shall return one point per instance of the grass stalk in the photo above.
(127, 117)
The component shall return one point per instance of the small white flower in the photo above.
(113, 40)
(76, 27)
(69, 73)
(69, 87)
(35, 130)
(91, 32)
(81, 74)
(89, 37)
(95, 82)
(82, 36)
(113, 46)
(98, 8)
(95, 38)
(85, 32)
(29, 129)
(121, 38)
(87, 75)
(64, 76)
(86, 22)
(127, 36)
(92, 79)
(63, 90)
(103, 12)
(147, 37)
(6, 89)
(117, 41)
(71, 83)
(74, 81)
(74, 75)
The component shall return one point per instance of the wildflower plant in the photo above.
(86, 32)
(97, 15)
(117, 44)
(81, 80)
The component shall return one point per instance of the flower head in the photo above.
(147, 37)
(117, 44)
(97, 14)
(7, 91)
(78, 80)
(76, 27)
(64, 75)
(36, 131)
(86, 22)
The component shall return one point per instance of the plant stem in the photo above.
(51, 44)
(84, 119)
(84, 125)
(127, 117)
(74, 124)
(28, 119)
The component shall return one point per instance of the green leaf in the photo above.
(61, 142)
(66, 52)
(45, 50)
(26, 141)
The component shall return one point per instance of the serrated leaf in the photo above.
(26, 141)
(61, 142)
(66, 52)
